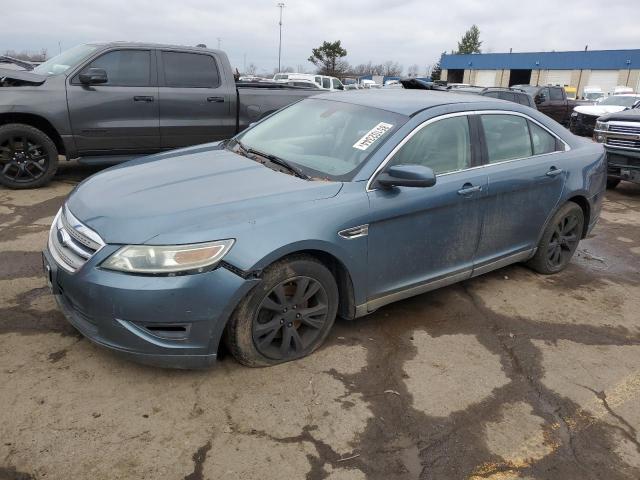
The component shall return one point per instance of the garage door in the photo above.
(558, 77)
(486, 78)
(607, 80)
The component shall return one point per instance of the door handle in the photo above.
(143, 98)
(553, 172)
(215, 99)
(468, 189)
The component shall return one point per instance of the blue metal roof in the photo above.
(577, 60)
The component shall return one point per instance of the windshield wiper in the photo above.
(273, 159)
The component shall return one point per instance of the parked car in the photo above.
(336, 205)
(324, 82)
(592, 93)
(551, 100)
(110, 102)
(583, 118)
(509, 94)
(620, 133)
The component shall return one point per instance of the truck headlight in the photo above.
(168, 259)
(602, 125)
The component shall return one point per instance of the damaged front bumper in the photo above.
(174, 322)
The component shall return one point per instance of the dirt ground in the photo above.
(512, 375)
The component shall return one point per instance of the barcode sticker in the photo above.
(372, 135)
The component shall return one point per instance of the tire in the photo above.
(276, 322)
(559, 240)
(612, 183)
(29, 166)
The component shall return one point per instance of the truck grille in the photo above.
(619, 128)
(70, 242)
(623, 143)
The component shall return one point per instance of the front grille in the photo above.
(70, 242)
(620, 128)
(623, 143)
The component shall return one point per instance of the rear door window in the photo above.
(125, 68)
(543, 141)
(326, 83)
(492, 94)
(507, 137)
(190, 70)
(507, 96)
(523, 99)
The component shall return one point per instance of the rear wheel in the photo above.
(612, 183)
(28, 157)
(287, 316)
(559, 240)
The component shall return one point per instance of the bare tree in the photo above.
(27, 55)
(413, 70)
(392, 69)
(251, 69)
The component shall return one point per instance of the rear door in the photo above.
(122, 115)
(558, 104)
(195, 102)
(526, 178)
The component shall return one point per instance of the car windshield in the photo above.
(323, 138)
(621, 100)
(67, 59)
(593, 95)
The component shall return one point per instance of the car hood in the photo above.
(188, 196)
(22, 76)
(632, 115)
(598, 110)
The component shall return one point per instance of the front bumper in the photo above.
(174, 322)
(582, 125)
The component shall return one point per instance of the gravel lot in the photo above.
(510, 375)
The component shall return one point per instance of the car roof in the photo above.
(152, 45)
(402, 101)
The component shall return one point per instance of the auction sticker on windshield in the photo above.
(372, 135)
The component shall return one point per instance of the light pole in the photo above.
(280, 6)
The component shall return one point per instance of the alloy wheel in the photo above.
(22, 159)
(290, 318)
(564, 240)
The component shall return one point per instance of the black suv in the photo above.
(510, 94)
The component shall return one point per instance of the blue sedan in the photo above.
(334, 206)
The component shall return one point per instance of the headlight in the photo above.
(602, 125)
(159, 259)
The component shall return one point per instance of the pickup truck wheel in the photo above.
(285, 317)
(559, 240)
(612, 183)
(28, 157)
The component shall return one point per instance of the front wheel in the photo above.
(559, 240)
(28, 157)
(285, 317)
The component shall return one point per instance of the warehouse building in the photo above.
(606, 69)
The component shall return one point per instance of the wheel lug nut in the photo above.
(281, 321)
(284, 310)
(294, 307)
(289, 324)
(298, 315)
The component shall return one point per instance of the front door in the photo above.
(422, 235)
(195, 103)
(120, 116)
(526, 180)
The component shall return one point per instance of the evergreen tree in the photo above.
(470, 42)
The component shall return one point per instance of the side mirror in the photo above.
(407, 176)
(93, 76)
(540, 98)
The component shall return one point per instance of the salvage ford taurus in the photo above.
(334, 206)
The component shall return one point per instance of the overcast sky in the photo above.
(410, 32)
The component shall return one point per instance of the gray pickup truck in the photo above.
(620, 133)
(105, 103)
